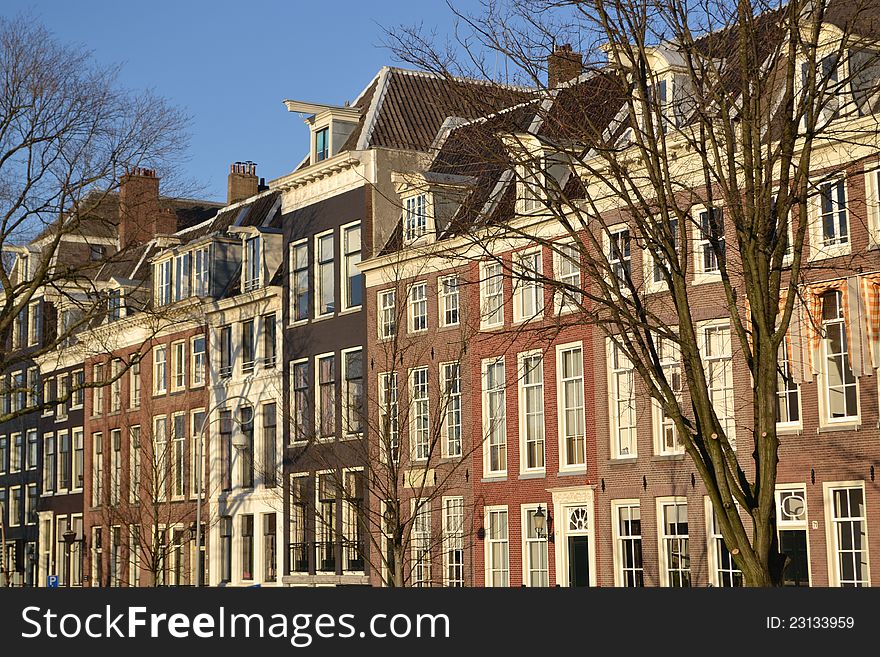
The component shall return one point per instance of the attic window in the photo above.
(252, 263)
(114, 305)
(96, 252)
(415, 217)
(322, 144)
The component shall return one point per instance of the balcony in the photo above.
(299, 557)
(354, 555)
(325, 556)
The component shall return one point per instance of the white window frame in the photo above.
(346, 406)
(527, 285)
(803, 524)
(197, 366)
(350, 263)
(714, 545)
(784, 364)
(526, 511)
(617, 265)
(299, 428)
(818, 249)
(663, 502)
(565, 300)
(417, 301)
(389, 382)
(420, 411)
(488, 417)
(452, 406)
(523, 412)
(728, 420)
(453, 539)
(617, 506)
(872, 201)
(492, 271)
(317, 286)
(669, 363)
(565, 461)
(134, 381)
(178, 369)
(415, 217)
(700, 274)
(491, 568)
(317, 397)
(825, 419)
(448, 300)
(387, 330)
(293, 285)
(420, 542)
(651, 285)
(828, 489)
(618, 449)
(251, 272)
(163, 349)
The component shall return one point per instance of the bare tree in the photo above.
(699, 135)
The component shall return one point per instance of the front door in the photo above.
(578, 561)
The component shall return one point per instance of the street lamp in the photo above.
(540, 523)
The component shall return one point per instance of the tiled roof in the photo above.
(250, 212)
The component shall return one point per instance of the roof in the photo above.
(254, 211)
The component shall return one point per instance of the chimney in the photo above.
(140, 217)
(243, 181)
(563, 65)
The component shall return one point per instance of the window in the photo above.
(299, 281)
(197, 447)
(675, 568)
(299, 556)
(415, 217)
(628, 544)
(849, 536)
(791, 521)
(33, 387)
(300, 399)
(134, 463)
(528, 295)
(197, 368)
(178, 454)
(182, 267)
(351, 258)
(787, 390)
(4, 453)
(247, 547)
(98, 390)
(35, 323)
(497, 555)
(623, 403)
(269, 547)
(353, 375)
(225, 352)
(248, 348)
(96, 252)
(833, 214)
(325, 275)
(531, 409)
(15, 506)
(841, 394)
(620, 255)
(570, 373)
(421, 544)
(389, 416)
(62, 397)
(387, 314)
(325, 523)
(568, 275)
(160, 370)
(537, 571)
(495, 418)
(270, 458)
(17, 453)
(719, 377)
(78, 394)
(450, 301)
(453, 541)
(178, 380)
(159, 462)
(660, 265)
(115, 465)
(322, 144)
(225, 450)
(353, 521)
(64, 463)
(269, 347)
(32, 461)
(492, 292)
(418, 308)
(134, 381)
(246, 420)
(666, 437)
(49, 395)
(530, 186)
(115, 385)
(253, 264)
(30, 517)
(163, 283)
(326, 396)
(452, 415)
(420, 438)
(225, 548)
(49, 463)
(200, 272)
(97, 469)
(134, 555)
(710, 241)
(724, 571)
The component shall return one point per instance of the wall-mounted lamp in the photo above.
(543, 523)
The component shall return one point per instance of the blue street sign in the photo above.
(52, 581)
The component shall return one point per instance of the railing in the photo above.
(325, 553)
(353, 552)
(299, 557)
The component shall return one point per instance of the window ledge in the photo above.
(351, 311)
(827, 252)
(533, 475)
(668, 457)
(789, 430)
(831, 428)
(701, 278)
(582, 472)
(489, 479)
(623, 461)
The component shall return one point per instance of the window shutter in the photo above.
(871, 289)
(855, 328)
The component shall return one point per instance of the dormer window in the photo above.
(182, 266)
(415, 217)
(322, 144)
(531, 185)
(114, 305)
(200, 272)
(252, 263)
(163, 282)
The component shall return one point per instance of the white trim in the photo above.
(487, 559)
(522, 411)
(830, 535)
(662, 502)
(316, 274)
(486, 362)
(524, 510)
(818, 250)
(564, 466)
(700, 275)
(616, 506)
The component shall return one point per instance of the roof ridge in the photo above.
(458, 78)
(375, 105)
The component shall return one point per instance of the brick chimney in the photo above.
(563, 65)
(140, 217)
(243, 181)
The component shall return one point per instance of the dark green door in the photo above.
(578, 561)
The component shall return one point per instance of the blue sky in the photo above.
(230, 64)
